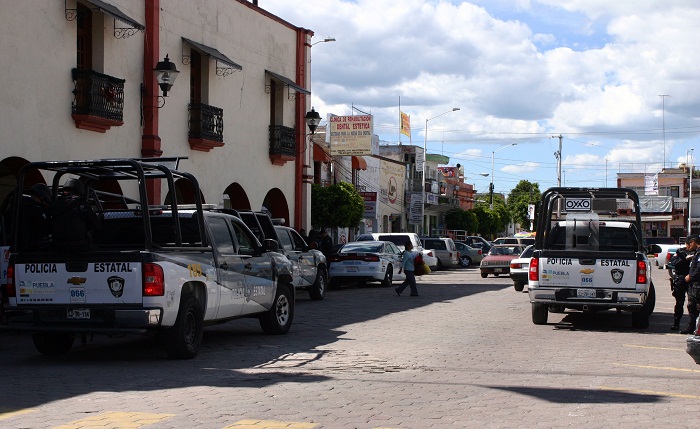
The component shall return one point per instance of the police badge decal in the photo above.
(617, 275)
(116, 285)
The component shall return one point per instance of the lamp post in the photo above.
(493, 157)
(326, 39)
(425, 153)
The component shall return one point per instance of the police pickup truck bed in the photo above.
(162, 269)
(589, 255)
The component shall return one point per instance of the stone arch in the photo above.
(184, 192)
(9, 173)
(276, 203)
(238, 199)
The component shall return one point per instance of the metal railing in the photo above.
(206, 122)
(97, 94)
(282, 141)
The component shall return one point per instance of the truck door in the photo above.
(257, 269)
(229, 269)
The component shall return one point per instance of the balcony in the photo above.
(98, 101)
(206, 127)
(283, 146)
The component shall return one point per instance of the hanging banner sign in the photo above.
(351, 135)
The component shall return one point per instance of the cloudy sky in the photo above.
(520, 71)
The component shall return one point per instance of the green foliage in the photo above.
(524, 194)
(339, 205)
(461, 220)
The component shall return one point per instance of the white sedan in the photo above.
(365, 261)
(520, 269)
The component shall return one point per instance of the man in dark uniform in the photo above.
(693, 280)
(679, 288)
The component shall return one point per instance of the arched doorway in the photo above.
(276, 203)
(9, 172)
(238, 199)
(110, 193)
(184, 191)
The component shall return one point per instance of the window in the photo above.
(246, 242)
(285, 241)
(221, 236)
(84, 38)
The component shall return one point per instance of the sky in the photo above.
(618, 80)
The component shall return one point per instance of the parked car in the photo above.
(520, 267)
(478, 242)
(366, 261)
(523, 241)
(309, 265)
(660, 254)
(400, 239)
(497, 261)
(468, 255)
(445, 250)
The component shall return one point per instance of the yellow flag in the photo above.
(405, 124)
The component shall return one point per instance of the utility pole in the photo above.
(557, 155)
(663, 123)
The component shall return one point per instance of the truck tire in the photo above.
(518, 286)
(184, 339)
(388, 277)
(640, 319)
(278, 319)
(539, 313)
(318, 290)
(52, 343)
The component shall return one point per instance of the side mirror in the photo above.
(270, 245)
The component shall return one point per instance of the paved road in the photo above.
(464, 354)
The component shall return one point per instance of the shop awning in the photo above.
(115, 13)
(320, 154)
(359, 163)
(658, 218)
(290, 83)
(214, 53)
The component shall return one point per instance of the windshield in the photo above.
(362, 247)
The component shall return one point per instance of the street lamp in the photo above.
(312, 119)
(425, 153)
(327, 39)
(493, 156)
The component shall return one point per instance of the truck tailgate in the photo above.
(596, 273)
(85, 283)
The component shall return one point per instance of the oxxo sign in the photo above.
(578, 204)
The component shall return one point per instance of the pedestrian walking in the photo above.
(693, 280)
(326, 243)
(408, 266)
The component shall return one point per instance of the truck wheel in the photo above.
(52, 344)
(389, 277)
(518, 286)
(640, 319)
(539, 313)
(318, 290)
(484, 275)
(278, 319)
(184, 339)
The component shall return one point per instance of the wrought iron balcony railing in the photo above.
(206, 122)
(98, 95)
(282, 141)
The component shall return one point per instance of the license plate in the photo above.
(78, 313)
(497, 270)
(352, 269)
(585, 293)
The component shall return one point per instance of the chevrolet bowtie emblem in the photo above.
(77, 280)
(587, 271)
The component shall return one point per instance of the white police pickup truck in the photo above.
(149, 269)
(589, 255)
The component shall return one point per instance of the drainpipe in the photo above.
(299, 113)
(150, 141)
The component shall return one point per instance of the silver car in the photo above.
(366, 261)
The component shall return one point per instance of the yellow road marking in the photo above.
(7, 413)
(269, 424)
(116, 420)
(667, 368)
(652, 347)
(650, 392)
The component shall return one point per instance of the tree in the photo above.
(461, 220)
(520, 197)
(339, 205)
(491, 221)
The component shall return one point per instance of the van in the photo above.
(523, 241)
(400, 239)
